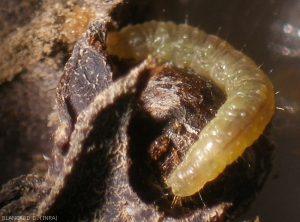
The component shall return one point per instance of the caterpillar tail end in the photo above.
(177, 187)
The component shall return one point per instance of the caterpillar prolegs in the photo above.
(239, 121)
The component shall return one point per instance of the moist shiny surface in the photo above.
(240, 120)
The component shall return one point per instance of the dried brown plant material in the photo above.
(32, 55)
(123, 129)
(76, 22)
(43, 32)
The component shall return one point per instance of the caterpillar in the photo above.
(239, 121)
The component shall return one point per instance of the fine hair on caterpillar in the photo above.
(239, 121)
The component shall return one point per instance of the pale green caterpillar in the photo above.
(240, 120)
